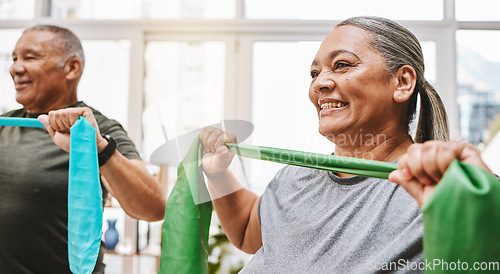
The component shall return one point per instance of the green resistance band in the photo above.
(462, 222)
(84, 193)
(461, 218)
(185, 230)
(354, 166)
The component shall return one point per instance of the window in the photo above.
(142, 9)
(478, 99)
(338, 9)
(478, 10)
(8, 93)
(17, 9)
(184, 89)
(429, 50)
(281, 111)
(104, 82)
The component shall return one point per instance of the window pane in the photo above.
(104, 84)
(429, 51)
(17, 9)
(7, 90)
(138, 9)
(339, 9)
(281, 111)
(184, 89)
(171, 9)
(478, 10)
(478, 83)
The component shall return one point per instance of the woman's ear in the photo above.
(406, 79)
(73, 68)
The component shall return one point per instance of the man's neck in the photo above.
(64, 100)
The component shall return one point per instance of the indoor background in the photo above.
(184, 64)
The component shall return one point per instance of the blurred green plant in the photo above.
(219, 249)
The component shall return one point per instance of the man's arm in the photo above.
(138, 193)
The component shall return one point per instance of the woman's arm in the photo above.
(236, 206)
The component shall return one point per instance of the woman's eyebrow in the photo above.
(334, 53)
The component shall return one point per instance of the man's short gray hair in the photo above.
(65, 40)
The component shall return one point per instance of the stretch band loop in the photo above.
(85, 209)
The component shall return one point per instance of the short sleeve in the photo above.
(125, 146)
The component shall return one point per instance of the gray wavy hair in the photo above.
(400, 47)
(65, 40)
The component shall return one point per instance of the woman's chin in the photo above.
(329, 131)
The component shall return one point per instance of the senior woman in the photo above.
(365, 80)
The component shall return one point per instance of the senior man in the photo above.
(47, 66)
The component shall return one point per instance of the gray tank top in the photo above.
(316, 222)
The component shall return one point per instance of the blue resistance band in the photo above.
(20, 122)
(84, 193)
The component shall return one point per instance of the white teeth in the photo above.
(332, 105)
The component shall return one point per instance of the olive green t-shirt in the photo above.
(34, 196)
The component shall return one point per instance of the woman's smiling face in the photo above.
(351, 87)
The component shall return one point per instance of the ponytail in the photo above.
(432, 120)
